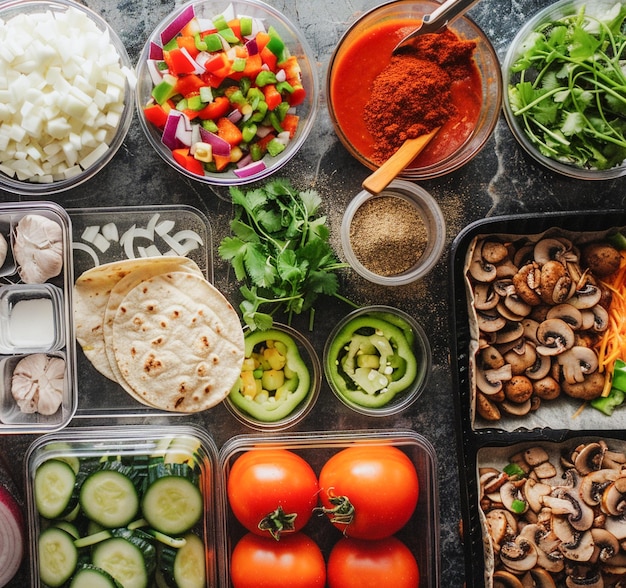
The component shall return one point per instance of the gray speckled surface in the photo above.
(500, 180)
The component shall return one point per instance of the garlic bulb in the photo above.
(38, 248)
(37, 383)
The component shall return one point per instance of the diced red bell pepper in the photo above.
(189, 84)
(188, 161)
(262, 143)
(268, 58)
(298, 95)
(262, 38)
(156, 114)
(290, 123)
(189, 43)
(221, 161)
(178, 63)
(229, 131)
(272, 96)
(291, 67)
(235, 26)
(215, 110)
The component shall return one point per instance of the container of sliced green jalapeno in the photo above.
(377, 360)
(280, 379)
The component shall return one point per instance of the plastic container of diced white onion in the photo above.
(66, 95)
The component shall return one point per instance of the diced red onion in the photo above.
(252, 46)
(219, 145)
(156, 51)
(156, 75)
(183, 130)
(245, 160)
(11, 536)
(250, 170)
(168, 138)
(235, 116)
(264, 131)
(172, 29)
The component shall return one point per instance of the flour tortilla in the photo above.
(92, 292)
(178, 342)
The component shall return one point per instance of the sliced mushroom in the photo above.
(616, 526)
(593, 484)
(544, 471)
(521, 358)
(586, 297)
(504, 579)
(600, 318)
(589, 458)
(536, 455)
(491, 381)
(534, 492)
(565, 502)
(527, 281)
(553, 249)
(499, 526)
(486, 408)
(493, 251)
(568, 313)
(554, 336)
(606, 545)
(485, 297)
(511, 332)
(581, 549)
(512, 497)
(576, 363)
(480, 269)
(552, 559)
(584, 577)
(539, 577)
(491, 358)
(490, 321)
(613, 499)
(519, 555)
(516, 409)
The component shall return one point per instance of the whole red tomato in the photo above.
(262, 562)
(369, 492)
(359, 563)
(272, 491)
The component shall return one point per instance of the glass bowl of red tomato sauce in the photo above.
(227, 91)
(448, 80)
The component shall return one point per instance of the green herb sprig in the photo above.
(280, 250)
(571, 89)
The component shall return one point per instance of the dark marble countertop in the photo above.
(500, 180)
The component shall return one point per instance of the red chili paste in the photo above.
(410, 96)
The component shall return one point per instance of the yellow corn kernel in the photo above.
(249, 364)
(274, 357)
(273, 379)
(248, 384)
(202, 151)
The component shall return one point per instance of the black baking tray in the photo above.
(469, 439)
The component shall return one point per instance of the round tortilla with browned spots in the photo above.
(178, 342)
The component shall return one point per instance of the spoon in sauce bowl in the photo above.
(439, 18)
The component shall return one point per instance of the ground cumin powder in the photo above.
(388, 236)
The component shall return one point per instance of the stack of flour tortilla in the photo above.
(161, 330)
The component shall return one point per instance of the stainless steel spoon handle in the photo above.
(439, 18)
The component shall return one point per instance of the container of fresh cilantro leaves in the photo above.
(565, 98)
(280, 251)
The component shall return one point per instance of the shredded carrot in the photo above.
(612, 344)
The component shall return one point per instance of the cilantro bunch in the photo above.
(279, 249)
(570, 90)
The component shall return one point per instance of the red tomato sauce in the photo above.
(356, 69)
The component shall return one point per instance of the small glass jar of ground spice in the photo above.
(395, 237)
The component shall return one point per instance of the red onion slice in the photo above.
(11, 536)
(172, 29)
(155, 51)
(219, 146)
(250, 170)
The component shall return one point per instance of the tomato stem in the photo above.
(342, 512)
(277, 522)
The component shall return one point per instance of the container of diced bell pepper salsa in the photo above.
(377, 360)
(280, 379)
(226, 91)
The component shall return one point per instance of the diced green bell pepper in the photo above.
(295, 388)
(607, 404)
(371, 387)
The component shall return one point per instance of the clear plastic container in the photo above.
(36, 318)
(298, 46)
(302, 409)
(421, 350)
(115, 135)
(434, 229)
(82, 447)
(420, 534)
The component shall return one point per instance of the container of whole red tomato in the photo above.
(335, 509)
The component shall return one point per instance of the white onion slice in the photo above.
(89, 250)
(250, 169)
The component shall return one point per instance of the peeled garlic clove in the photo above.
(37, 383)
(4, 249)
(38, 248)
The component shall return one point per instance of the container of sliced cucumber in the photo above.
(135, 495)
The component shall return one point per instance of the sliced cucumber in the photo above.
(109, 498)
(190, 563)
(68, 527)
(129, 562)
(54, 488)
(183, 449)
(92, 577)
(172, 504)
(58, 556)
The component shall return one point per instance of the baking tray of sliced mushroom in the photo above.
(533, 305)
(112, 234)
(38, 391)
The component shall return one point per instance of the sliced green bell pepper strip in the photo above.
(272, 410)
(367, 385)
